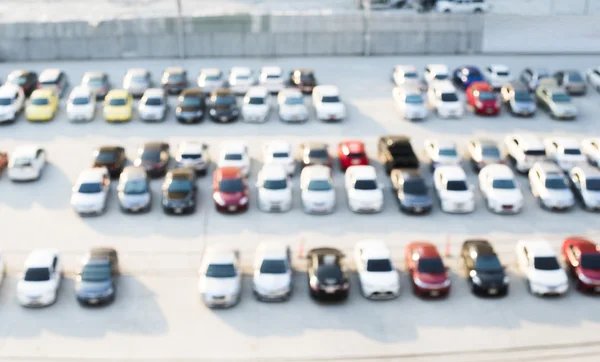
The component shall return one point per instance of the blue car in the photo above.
(96, 282)
(465, 75)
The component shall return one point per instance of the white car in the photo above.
(497, 75)
(406, 76)
(235, 154)
(435, 72)
(565, 152)
(81, 105)
(443, 98)
(12, 102)
(500, 189)
(462, 6)
(590, 147)
(26, 163)
(90, 192)
(377, 274)
(274, 189)
(193, 155)
(271, 77)
(280, 152)
(137, 81)
(256, 106)
(153, 105)
(586, 183)
(291, 106)
(220, 281)
(364, 192)
(593, 78)
(524, 150)
(318, 191)
(41, 279)
(453, 190)
(441, 152)
(550, 186)
(539, 264)
(272, 278)
(240, 80)
(210, 80)
(327, 103)
(410, 103)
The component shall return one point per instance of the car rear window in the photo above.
(535, 153)
(359, 155)
(233, 157)
(221, 271)
(414, 99)
(256, 100)
(456, 185)
(575, 77)
(449, 152)
(488, 263)
(154, 102)
(5, 101)
(96, 273)
(379, 265)
(365, 185)
(431, 266)
(449, 97)
(561, 98)
(441, 76)
(117, 102)
(556, 183)
(330, 99)
(293, 101)
(415, 187)
(490, 152)
(572, 151)
(80, 101)
(275, 184)
(590, 261)
(183, 186)
(319, 185)
(523, 96)
(318, 153)
(545, 263)
(506, 184)
(280, 155)
(136, 187)
(37, 275)
(502, 73)
(191, 156)
(106, 156)
(191, 102)
(40, 101)
(487, 96)
(90, 188)
(150, 155)
(224, 100)
(411, 75)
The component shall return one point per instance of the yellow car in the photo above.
(42, 105)
(118, 106)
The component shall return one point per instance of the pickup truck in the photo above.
(396, 152)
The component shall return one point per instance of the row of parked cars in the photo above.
(487, 90)
(214, 95)
(220, 274)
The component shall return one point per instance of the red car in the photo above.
(483, 99)
(230, 191)
(3, 160)
(582, 258)
(352, 153)
(428, 274)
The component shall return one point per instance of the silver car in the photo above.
(556, 101)
(210, 80)
(572, 81)
(518, 100)
(585, 181)
(193, 155)
(134, 190)
(137, 81)
(550, 186)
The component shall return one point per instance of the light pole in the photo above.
(180, 32)
(367, 27)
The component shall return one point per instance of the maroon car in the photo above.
(230, 191)
(427, 272)
(154, 157)
(111, 157)
(303, 79)
(582, 258)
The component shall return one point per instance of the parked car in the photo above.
(556, 101)
(272, 278)
(154, 157)
(137, 81)
(256, 105)
(483, 99)
(497, 75)
(500, 189)
(411, 191)
(174, 80)
(2, 268)
(453, 191)
(483, 152)
(592, 76)
(582, 259)
(351, 153)
(585, 184)
(118, 106)
(410, 103)
(240, 79)
(426, 270)
(524, 150)
(41, 280)
(590, 147)
(317, 189)
(193, 155)
(235, 154)
(315, 153)
(327, 103)
(96, 281)
(531, 77)
(435, 72)
(274, 188)
(191, 106)
(42, 106)
(572, 81)
(153, 105)
(179, 192)
(90, 192)
(222, 106)
(304, 79)
(230, 190)
(405, 75)
(55, 79)
(220, 283)
(564, 151)
(550, 186)
(462, 6)
(538, 263)
(271, 77)
(280, 153)
(27, 163)
(465, 75)
(441, 153)
(133, 191)
(81, 105)
(210, 80)
(443, 98)
(97, 82)
(377, 275)
(111, 157)
(518, 100)
(27, 80)
(3, 160)
(485, 274)
(363, 190)
(327, 275)
(395, 151)
(12, 102)
(291, 106)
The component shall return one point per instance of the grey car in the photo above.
(585, 184)
(483, 152)
(98, 82)
(96, 282)
(411, 191)
(550, 186)
(556, 101)
(517, 99)
(134, 190)
(572, 81)
(137, 81)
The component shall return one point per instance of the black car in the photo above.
(396, 152)
(96, 282)
(179, 191)
(411, 191)
(303, 79)
(25, 79)
(98, 82)
(174, 80)
(327, 276)
(191, 106)
(315, 153)
(111, 157)
(222, 106)
(483, 269)
(154, 157)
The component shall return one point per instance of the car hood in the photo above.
(558, 195)
(547, 277)
(272, 281)
(177, 196)
(275, 195)
(366, 195)
(506, 196)
(219, 286)
(34, 289)
(563, 107)
(590, 273)
(460, 196)
(523, 106)
(332, 107)
(379, 278)
(231, 197)
(93, 287)
(7, 109)
(415, 199)
(415, 108)
(292, 109)
(85, 199)
(255, 108)
(129, 199)
(491, 277)
(180, 109)
(318, 196)
(432, 278)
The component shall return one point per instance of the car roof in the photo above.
(406, 67)
(95, 174)
(470, 68)
(442, 143)
(438, 68)
(374, 249)
(584, 245)
(272, 69)
(327, 90)
(9, 90)
(240, 70)
(79, 91)
(537, 247)
(192, 92)
(273, 171)
(191, 147)
(223, 92)
(233, 147)
(272, 250)
(354, 145)
(100, 253)
(303, 70)
(257, 91)
(363, 171)
(93, 74)
(227, 173)
(137, 71)
(408, 173)
(40, 258)
(317, 172)
(174, 70)
(210, 71)
(42, 93)
(49, 74)
(588, 171)
(315, 145)
(424, 249)
(481, 86)
(325, 251)
(277, 146)
(154, 145)
(180, 173)
(549, 167)
(290, 92)
(154, 92)
(117, 93)
(529, 141)
(220, 255)
(109, 148)
(499, 68)
(392, 139)
(25, 151)
(452, 172)
(499, 170)
(133, 172)
(566, 142)
(481, 246)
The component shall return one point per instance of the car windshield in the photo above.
(556, 183)
(212, 77)
(431, 266)
(491, 152)
(5, 101)
(293, 101)
(94, 82)
(106, 157)
(415, 187)
(273, 266)
(307, 78)
(575, 77)
(502, 73)
(273, 76)
(414, 99)
(456, 185)
(90, 188)
(330, 99)
(365, 185)
(96, 273)
(37, 275)
(535, 153)
(40, 101)
(356, 155)
(135, 187)
(449, 97)
(18, 80)
(191, 102)
(487, 96)
(592, 184)
(488, 264)
(590, 261)
(78, 101)
(318, 153)
(319, 185)
(150, 155)
(379, 265)
(154, 101)
(242, 77)
(441, 76)
(175, 77)
(449, 152)
(275, 184)
(411, 75)
(256, 100)
(191, 156)
(180, 185)
(280, 155)
(523, 96)
(221, 271)
(117, 102)
(224, 101)
(138, 79)
(22, 162)
(506, 184)
(231, 185)
(572, 151)
(233, 157)
(545, 263)
(561, 98)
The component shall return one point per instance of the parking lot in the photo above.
(158, 310)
